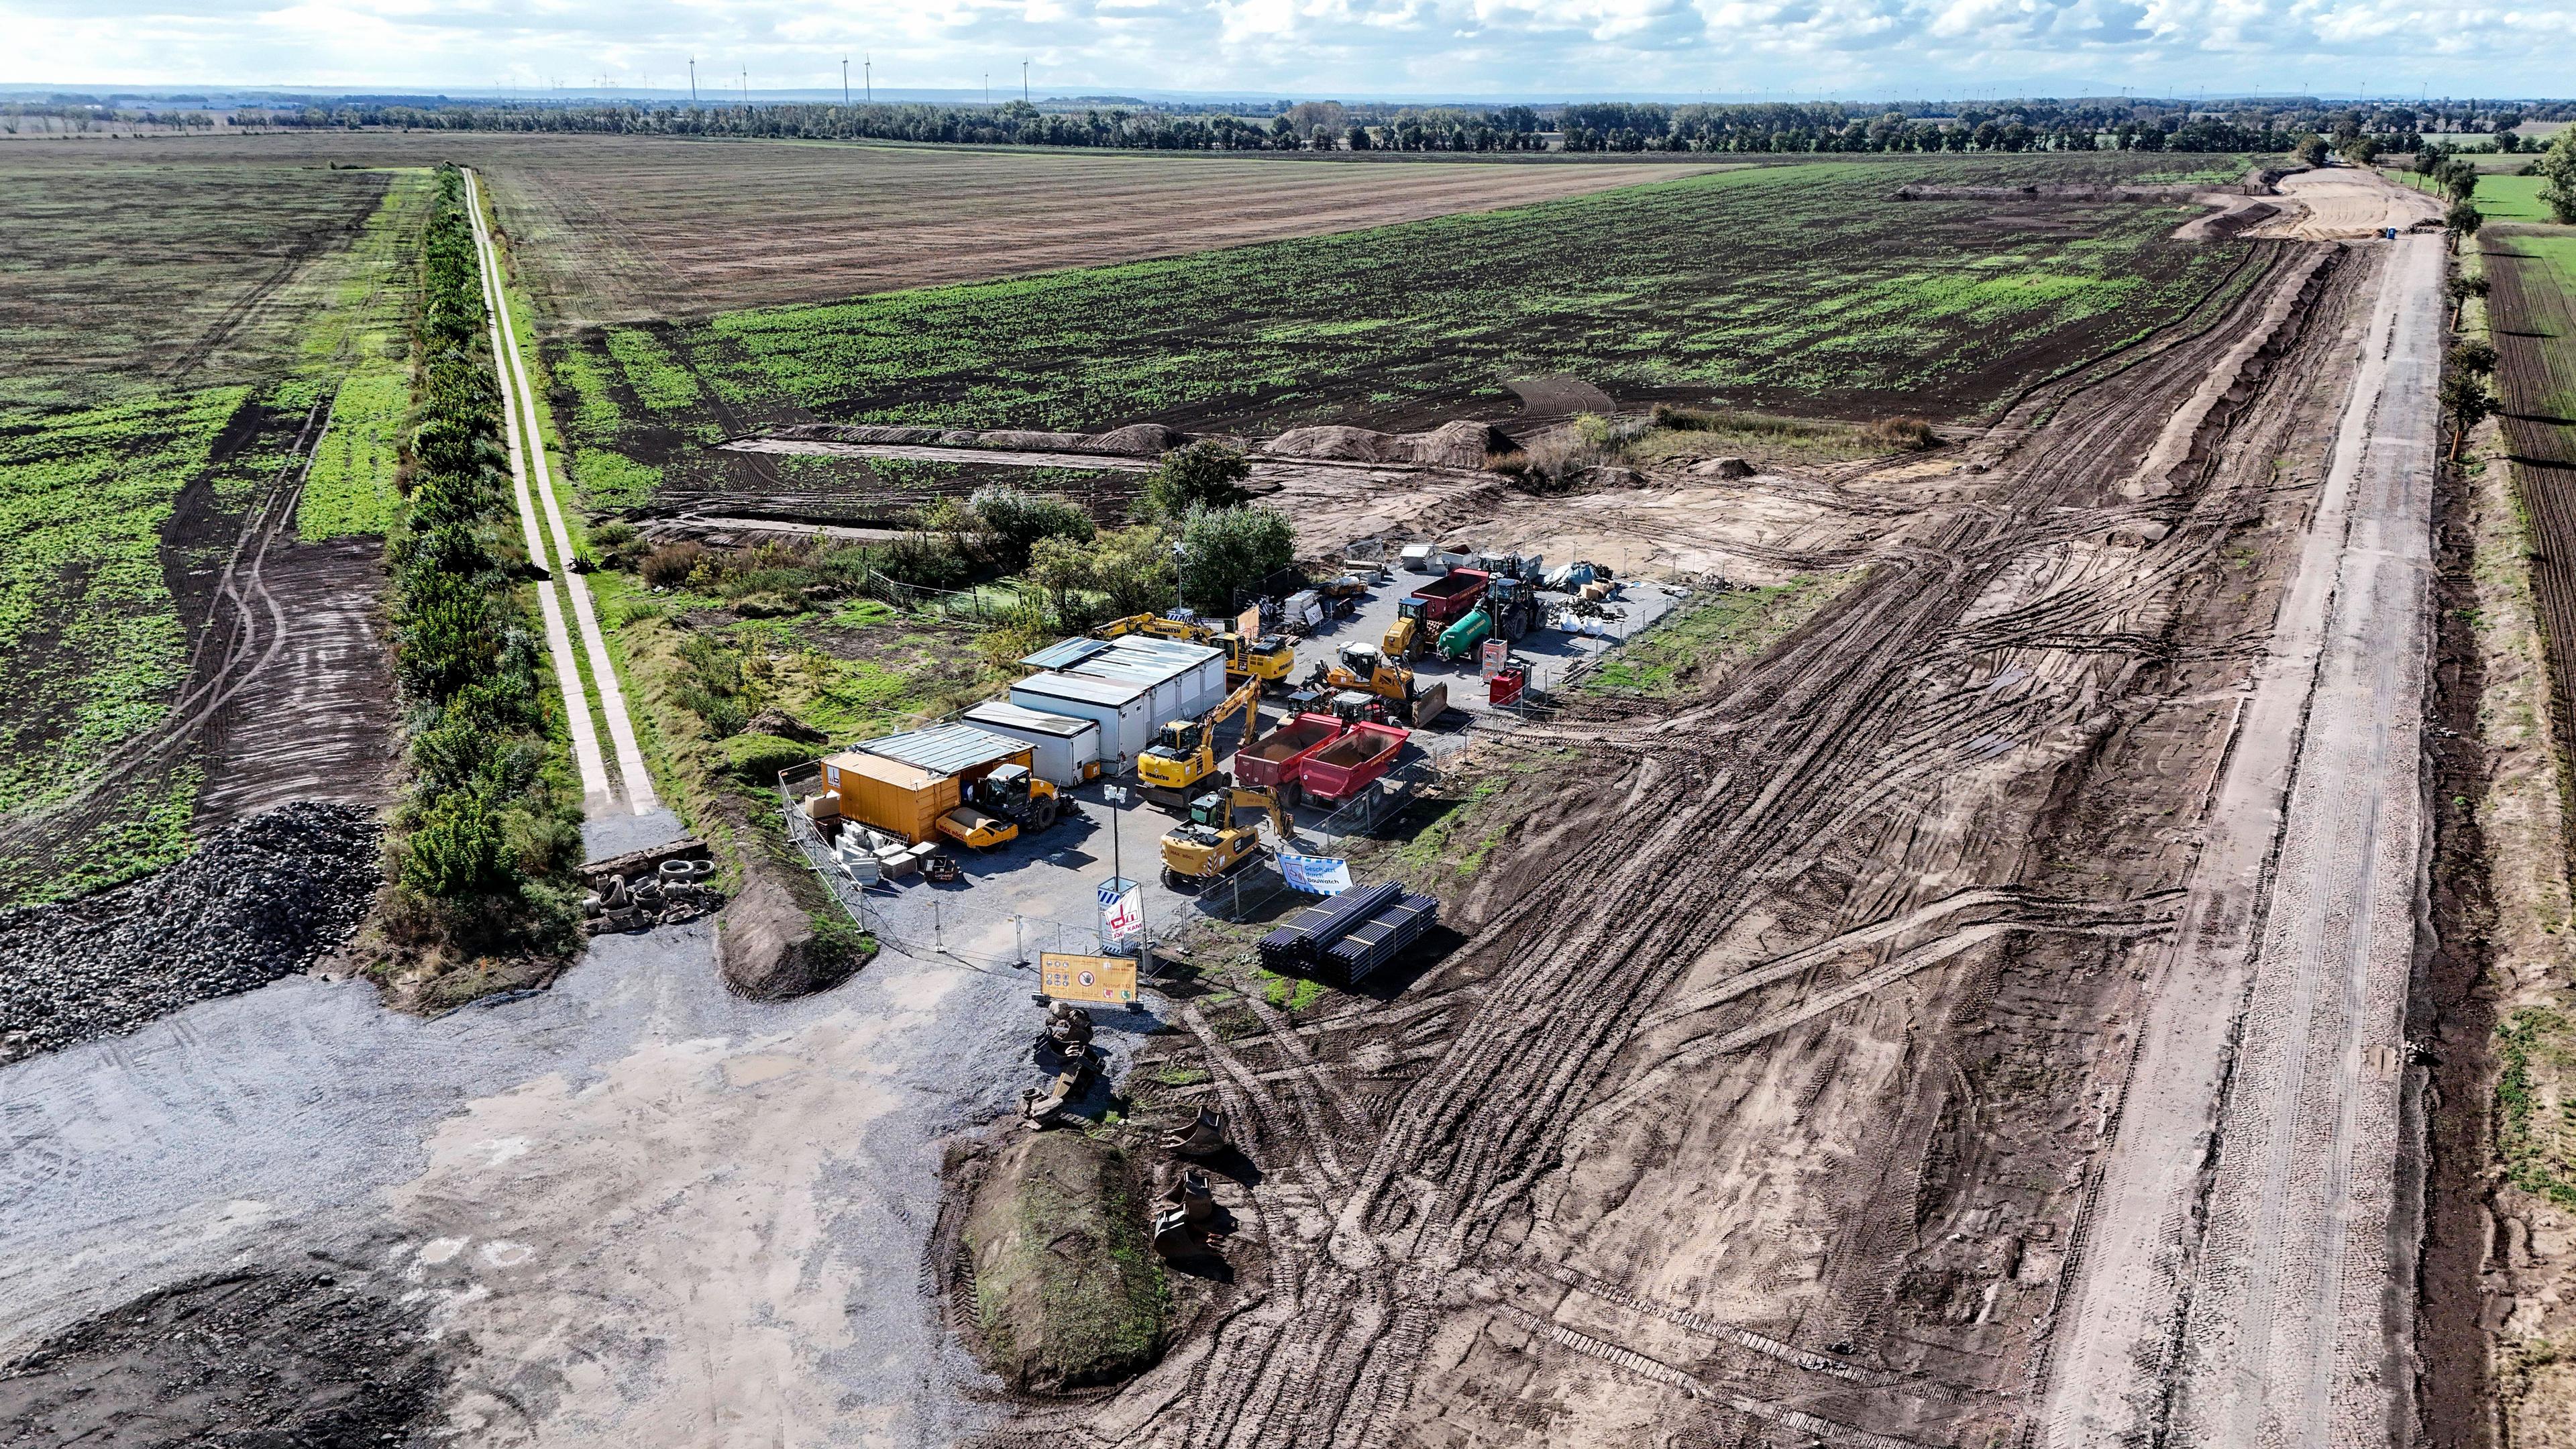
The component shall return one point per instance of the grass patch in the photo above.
(2535, 1117)
(1694, 644)
(351, 488)
(1068, 1293)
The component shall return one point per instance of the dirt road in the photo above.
(524, 433)
(2306, 890)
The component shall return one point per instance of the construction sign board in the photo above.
(1109, 979)
(1493, 654)
(1315, 874)
(1122, 912)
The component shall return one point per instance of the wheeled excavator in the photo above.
(1223, 832)
(1183, 754)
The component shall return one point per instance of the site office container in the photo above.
(1064, 750)
(1124, 712)
(1131, 685)
(895, 797)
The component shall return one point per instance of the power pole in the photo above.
(988, 90)
(845, 81)
(746, 88)
(693, 80)
(868, 76)
(1024, 82)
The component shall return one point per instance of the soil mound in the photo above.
(766, 947)
(1143, 440)
(262, 899)
(1067, 1294)
(1462, 444)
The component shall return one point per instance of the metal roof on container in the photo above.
(1003, 712)
(1088, 688)
(946, 749)
(1066, 653)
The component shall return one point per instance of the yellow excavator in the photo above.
(1223, 832)
(1368, 671)
(1267, 657)
(1183, 753)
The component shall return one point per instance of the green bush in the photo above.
(1224, 550)
(759, 759)
(457, 849)
(1202, 475)
(1014, 522)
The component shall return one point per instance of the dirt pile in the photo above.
(767, 947)
(1066, 1293)
(247, 1358)
(262, 899)
(1462, 444)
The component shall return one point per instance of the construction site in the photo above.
(1664, 923)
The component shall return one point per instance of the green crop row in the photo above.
(1797, 281)
(360, 342)
(351, 487)
(90, 638)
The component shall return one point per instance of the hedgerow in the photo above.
(489, 832)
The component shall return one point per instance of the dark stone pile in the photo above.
(263, 899)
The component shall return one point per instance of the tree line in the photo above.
(489, 829)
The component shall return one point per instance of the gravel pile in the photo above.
(263, 899)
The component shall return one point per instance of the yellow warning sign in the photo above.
(1087, 978)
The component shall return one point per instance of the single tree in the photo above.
(2464, 400)
(2476, 357)
(1227, 550)
(2463, 220)
(1202, 475)
(2311, 150)
(2460, 290)
(2558, 169)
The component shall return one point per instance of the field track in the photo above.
(527, 449)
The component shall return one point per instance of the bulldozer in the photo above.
(1183, 754)
(998, 807)
(1266, 657)
(1407, 700)
(1223, 832)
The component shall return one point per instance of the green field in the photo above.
(1802, 283)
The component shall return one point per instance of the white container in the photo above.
(1123, 711)
(1423, 558)
(1064, 749)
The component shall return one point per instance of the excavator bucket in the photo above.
(1192, 1195)
(1173, 1236)
(1202, 1138)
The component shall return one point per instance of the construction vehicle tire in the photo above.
(1042, 815)
(1174, 880)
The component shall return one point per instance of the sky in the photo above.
(1345, 49)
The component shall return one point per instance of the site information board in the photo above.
(1108, 979)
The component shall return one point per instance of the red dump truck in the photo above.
(1348, 765)
(1277, 759)
(1450, 596)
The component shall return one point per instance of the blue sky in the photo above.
(1538, 49)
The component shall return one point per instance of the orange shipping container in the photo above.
(897, 798)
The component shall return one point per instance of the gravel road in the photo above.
(638, 1210)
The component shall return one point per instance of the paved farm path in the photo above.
(2265, 1101)
(525, 437)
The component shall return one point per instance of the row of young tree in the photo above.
(490, 827)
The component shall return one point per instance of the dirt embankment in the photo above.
(1461, 444)
(1135, 440)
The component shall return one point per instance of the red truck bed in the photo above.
(1451, 595)
(1275, 759)
(1343, 768)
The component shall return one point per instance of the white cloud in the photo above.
(1536, 48)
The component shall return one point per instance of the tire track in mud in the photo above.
(243, 634)
(1852, 719)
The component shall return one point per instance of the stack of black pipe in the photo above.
(1343, 939)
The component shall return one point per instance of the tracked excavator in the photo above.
(1222, 833)
(1183, 755)
(1406, 699)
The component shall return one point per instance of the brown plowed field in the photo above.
(1803, 1152)
(2533, 322)
(615, 228)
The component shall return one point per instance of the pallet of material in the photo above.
(1379, 939)
(1300, 945)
